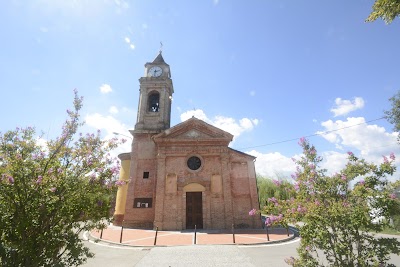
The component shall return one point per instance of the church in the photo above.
(184, 176)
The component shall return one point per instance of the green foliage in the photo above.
(338, 213)
(393, 115)
(50, 193)
(268, 188)
(387, 10)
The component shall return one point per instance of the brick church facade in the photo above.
(183, 176)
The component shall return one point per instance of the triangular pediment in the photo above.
(194, 130)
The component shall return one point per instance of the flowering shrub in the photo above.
(49, 194)
(338, 213)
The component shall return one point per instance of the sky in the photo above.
(269, 72)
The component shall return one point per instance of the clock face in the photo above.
(155, 71)
(194, 163)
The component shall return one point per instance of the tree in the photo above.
(51, 193)
(387, 10)
(268, 188)
(339, 213)
(393, 115)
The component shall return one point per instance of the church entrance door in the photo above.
(194, 210)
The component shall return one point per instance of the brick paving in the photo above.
(139, 237)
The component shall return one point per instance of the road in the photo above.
(196, 255)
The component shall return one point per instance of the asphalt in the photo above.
(151, 238)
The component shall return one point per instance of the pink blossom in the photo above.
(302, 141)
(392, 156)
(350, 153)
(252, 212)
(10, 179)
(316, 202)
(53, 189)
(39, 179)
(392, 196)
(385, 159)
(120, 183)
(344, 178)
(277, 183)
(361, 182)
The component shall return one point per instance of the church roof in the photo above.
(194, 129)
(159, 59)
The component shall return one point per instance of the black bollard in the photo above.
(101, 234)
(266, 228)
(155, 238)
(122, 230)
(287, 230)
(233, 233)
(195, 229)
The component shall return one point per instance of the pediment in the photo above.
(194, 130)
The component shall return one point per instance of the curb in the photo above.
(87, 236)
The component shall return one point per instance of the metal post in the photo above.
(101, 234)
(195, 229)
(122, 230)
(155, 238)
(233, 233)
(266, 228)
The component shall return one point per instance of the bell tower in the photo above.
(156, 89)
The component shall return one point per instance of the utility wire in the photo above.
(311, 135)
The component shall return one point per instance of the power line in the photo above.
(311, 135)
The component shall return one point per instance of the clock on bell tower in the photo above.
(156, 89)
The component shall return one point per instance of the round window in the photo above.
(194, 163)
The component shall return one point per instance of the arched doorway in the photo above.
(194, 205)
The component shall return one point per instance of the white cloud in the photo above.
(215, 2)
(273, 165)
(354, 134)
(132, 46)
(344, 106)
(105, 89)
(109, 125)
(113, 110)
(121, 3)
(127, 40)
(236, 128)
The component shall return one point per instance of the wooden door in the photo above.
(194, 210)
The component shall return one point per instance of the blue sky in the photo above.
(266, 71)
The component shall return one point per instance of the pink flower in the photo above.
(385, 159)
(53, 189)
(252, 212)
(276, 182)
(10, 179)
(39, 179)
(344, 178)
(361, 182)
(392, 156)
(302, 141)
(120, 183)
(392, 196)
